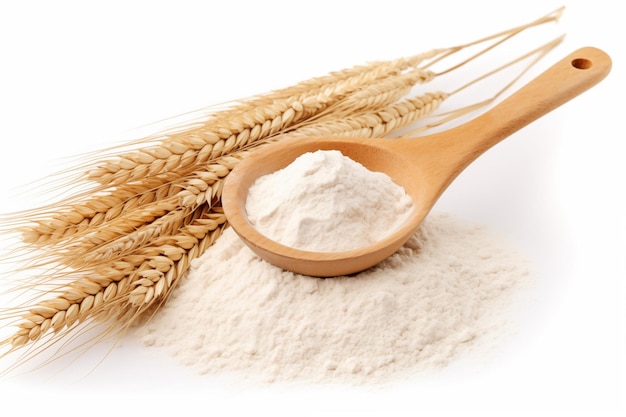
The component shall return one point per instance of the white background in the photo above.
(79, 76)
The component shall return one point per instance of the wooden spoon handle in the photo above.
(461, 145)
(565, 80)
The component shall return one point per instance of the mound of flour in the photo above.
(446, 290)
(325, 201)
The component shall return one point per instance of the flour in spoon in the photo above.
(326, 202)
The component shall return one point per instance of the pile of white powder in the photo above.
(325, 201)
(446, 290)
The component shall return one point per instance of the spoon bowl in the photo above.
(423, 166)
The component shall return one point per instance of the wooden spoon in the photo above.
(424, 166)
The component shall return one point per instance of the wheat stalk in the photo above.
(378, 123)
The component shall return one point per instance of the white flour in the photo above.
(444, 292)
(325, 201)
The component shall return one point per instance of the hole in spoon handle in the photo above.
(571, 76)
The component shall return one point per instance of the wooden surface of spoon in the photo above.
(424, 166)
